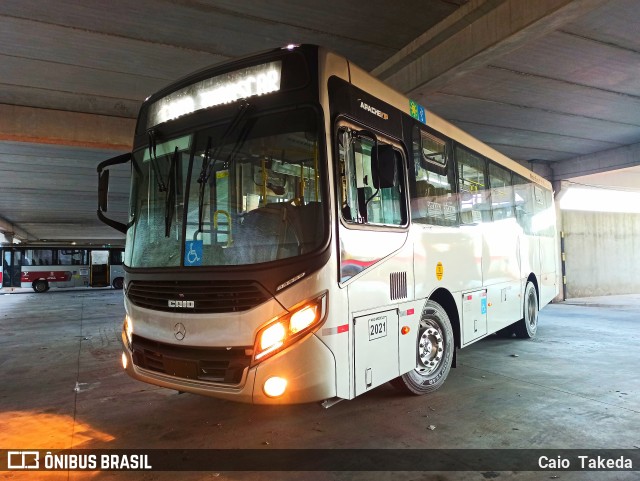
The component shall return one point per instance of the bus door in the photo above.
(11, 268)
(116, 270)
(99, 264)
(375, 257)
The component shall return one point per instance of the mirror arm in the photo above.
(120, 159)
(119, 226)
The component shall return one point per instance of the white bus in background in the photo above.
(299, 231)
(42, 266)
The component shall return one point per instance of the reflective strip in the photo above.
(327, 331)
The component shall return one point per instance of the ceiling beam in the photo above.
(473, 36)
(604, 161)
(13, 231)
(44, 126)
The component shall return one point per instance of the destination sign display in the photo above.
(222, 89)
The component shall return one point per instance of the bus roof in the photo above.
(364, 80)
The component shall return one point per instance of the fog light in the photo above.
(275, 386)
(125, 360)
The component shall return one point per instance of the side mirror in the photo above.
(103, 190)
(384, 165)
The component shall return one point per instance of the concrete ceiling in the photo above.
(552, 84)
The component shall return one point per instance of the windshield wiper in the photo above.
(208, 165)
(202, 179)
(170, 202)
(154, 161)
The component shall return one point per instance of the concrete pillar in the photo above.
(561, 274)
(601, 252)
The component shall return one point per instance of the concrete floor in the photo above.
(576, 385)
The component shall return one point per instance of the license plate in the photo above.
(181, 368)
(377, 327)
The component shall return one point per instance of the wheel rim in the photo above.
(430, 346)
(532, 309)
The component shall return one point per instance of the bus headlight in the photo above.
(287, 329)
(128, 329)
(272, 337)
(303, 318)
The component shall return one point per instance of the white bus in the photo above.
(41, 266)
(299, 231)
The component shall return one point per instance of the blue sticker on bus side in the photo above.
(422, 117)
(483, 305)
(193, 253)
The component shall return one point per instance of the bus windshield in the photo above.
(243, 192)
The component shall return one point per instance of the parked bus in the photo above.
(42, 266)
(298, 231)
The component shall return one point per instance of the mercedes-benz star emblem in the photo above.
(179, 331)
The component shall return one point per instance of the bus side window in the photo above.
(543, 222)
(69, 257)
(550, 219)
(523, 198)
(116, 257)
(37, 257)
(472, 185)
(362, 201)
(501, 192)
(433, 200)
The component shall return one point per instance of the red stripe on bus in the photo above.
(52, 276)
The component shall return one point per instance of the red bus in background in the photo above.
(42, 267)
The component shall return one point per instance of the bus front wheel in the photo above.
(117, 283)
(40, 286)
(526, 327)
(434, 352)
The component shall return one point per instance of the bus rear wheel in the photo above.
(526, 327)
(117, 283)
(40, 286)
(434, 353)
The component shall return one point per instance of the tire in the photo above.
(434, 353)
(527, 327)
(40, 286)
(118, 283)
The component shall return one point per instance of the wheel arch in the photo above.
(445, 299)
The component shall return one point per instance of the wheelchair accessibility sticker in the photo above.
(193, 253)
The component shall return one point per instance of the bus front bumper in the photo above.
(308, 366)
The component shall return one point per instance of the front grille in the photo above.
(196, 296)
(219, 365)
